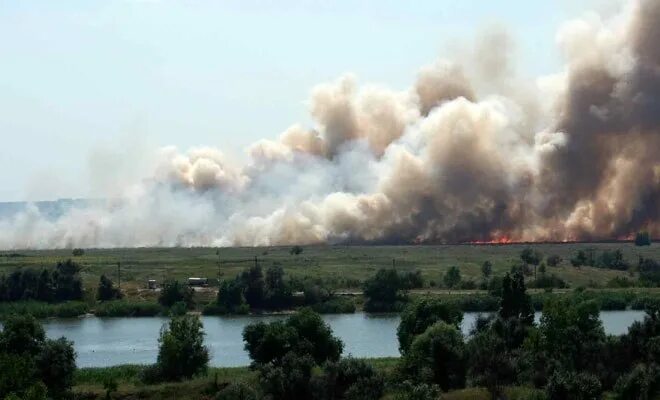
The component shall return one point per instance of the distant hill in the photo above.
(50, 209)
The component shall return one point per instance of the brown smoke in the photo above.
(470, 153)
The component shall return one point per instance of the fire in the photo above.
(496, 240)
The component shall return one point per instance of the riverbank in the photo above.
(89, 384)
(466, 300)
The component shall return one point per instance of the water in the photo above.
(101, 342)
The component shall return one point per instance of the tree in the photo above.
(289, 379)
(106, 290)
(255, 286)
(531, 257)
(78, 252)
(278, 292)
(489, 362)
(554, 260)
(417, 317)
(452, 277)
(486, 269)
(56, 365)
(384, 291)
(67, 281)
(437, 356)
(642, 238)
(351, 378)
(230, 296)
(182, 353)
(304, 332)
(515, 302)
(174, 292)
(642, 383)
(573, 386)
(296, 250)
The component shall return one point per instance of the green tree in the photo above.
(573, 386)
(255, 286)
(486, 269)
(56, 365)
(515, 301)
(288, 379)
(384, 291)
(420, 315)
(351, 378)
(304, 332)
(437, 356)
(106, 290)
(296, 250)
(173, 292)
(452, 277)
(182, 353)
(231, 297)
(554, 260)
(642, 383)
(489, 362)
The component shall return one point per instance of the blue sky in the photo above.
(79, 76)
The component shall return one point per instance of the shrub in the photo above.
(173, 292)
(335, 305)
(452, 277)
(551, 281)
(437, 356)
(288, 379)
(78, 252)
(182, 353)
(106, 290)
(56, 364)
(554, 260)
(384, 292)
(237, 391)
(417, 391)
(303, 333)
(420, 315)
(570, 386)
(122, 308)
(351, 378)
(642, 383)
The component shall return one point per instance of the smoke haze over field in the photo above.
(471, 152)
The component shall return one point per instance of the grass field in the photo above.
(343, 267)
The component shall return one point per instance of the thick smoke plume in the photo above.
(470, 153)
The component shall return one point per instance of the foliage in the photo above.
(417, 391)
(548, 281)
(29, 362)
(437, 356)
(412, 279)
(554, 260)
(489, 363)
(642, 383)
(351, 378)
(384, 292)
(649, 270)
(296, 250)
(302, 333)
(288, 379)
(573, 386)
(78, 252)
(106, 290)
(452, 277)
(420, 315)
(126, 308)
(62, 284)
(237, 391)
(515, 301)
(531, 256)
(173, 292)
(182, 353)
(486, 269)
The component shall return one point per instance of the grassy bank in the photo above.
(335, 266)
(467, 301)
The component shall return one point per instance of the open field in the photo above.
(342, 267)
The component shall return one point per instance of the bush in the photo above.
(335, 305)
(78, 252)
(106, 290)
(437, 356)
(570, 386)
(420, 315)
(303, 333)
(554, 260)
(44, 310)
(56, 364)
(124, 308)
(417, 391)
(173, 292)
(642, 383)
(384, 292)
(551, 281)
(288, 379)
(237, 391)
(351, 378)
(182, 353)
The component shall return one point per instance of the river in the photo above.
(101, 342)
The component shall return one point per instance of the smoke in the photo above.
(470, 153)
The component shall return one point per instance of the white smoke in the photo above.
(470, 153)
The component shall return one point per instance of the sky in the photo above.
(82, 82)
